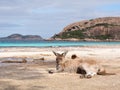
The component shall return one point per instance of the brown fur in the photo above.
(87, 68)
(103, 72)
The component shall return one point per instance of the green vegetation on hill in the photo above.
(78, 34)
(102, 37)
(72, 34)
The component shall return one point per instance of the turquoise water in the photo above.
(52, 43)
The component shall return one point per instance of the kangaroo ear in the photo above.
(56, 54)
(73, 56)
(64, 54)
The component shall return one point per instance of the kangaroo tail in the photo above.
(105, 73)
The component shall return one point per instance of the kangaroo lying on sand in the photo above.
(87, 68)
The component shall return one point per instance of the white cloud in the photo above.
(41, 16)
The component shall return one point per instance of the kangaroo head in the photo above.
(59, 58)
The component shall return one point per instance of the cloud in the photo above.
(8, 25)
(43, 16)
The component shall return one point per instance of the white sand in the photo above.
(98, 53)
(35, 76)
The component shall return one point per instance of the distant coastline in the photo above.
(85, 40)
(21, 37)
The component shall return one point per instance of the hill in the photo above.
(106, 28)
(22, 37)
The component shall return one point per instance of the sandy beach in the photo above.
(34, 75)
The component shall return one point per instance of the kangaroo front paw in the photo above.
(82, 76)
(88, 76)
(50, 71)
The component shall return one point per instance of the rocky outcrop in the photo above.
(22, 37)
(107, 28)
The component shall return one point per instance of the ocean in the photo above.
(5, 43)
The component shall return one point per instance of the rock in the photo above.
(15, 61)
(39, 60)
(107, 29)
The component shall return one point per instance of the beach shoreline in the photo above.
(35, 76)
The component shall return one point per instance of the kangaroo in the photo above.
(86, 68)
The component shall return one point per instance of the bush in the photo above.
(72, 34)
(103, 37)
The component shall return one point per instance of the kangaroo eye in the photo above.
(98, 70)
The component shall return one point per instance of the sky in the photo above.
(49, 17)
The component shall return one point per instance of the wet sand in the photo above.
(35, 76)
